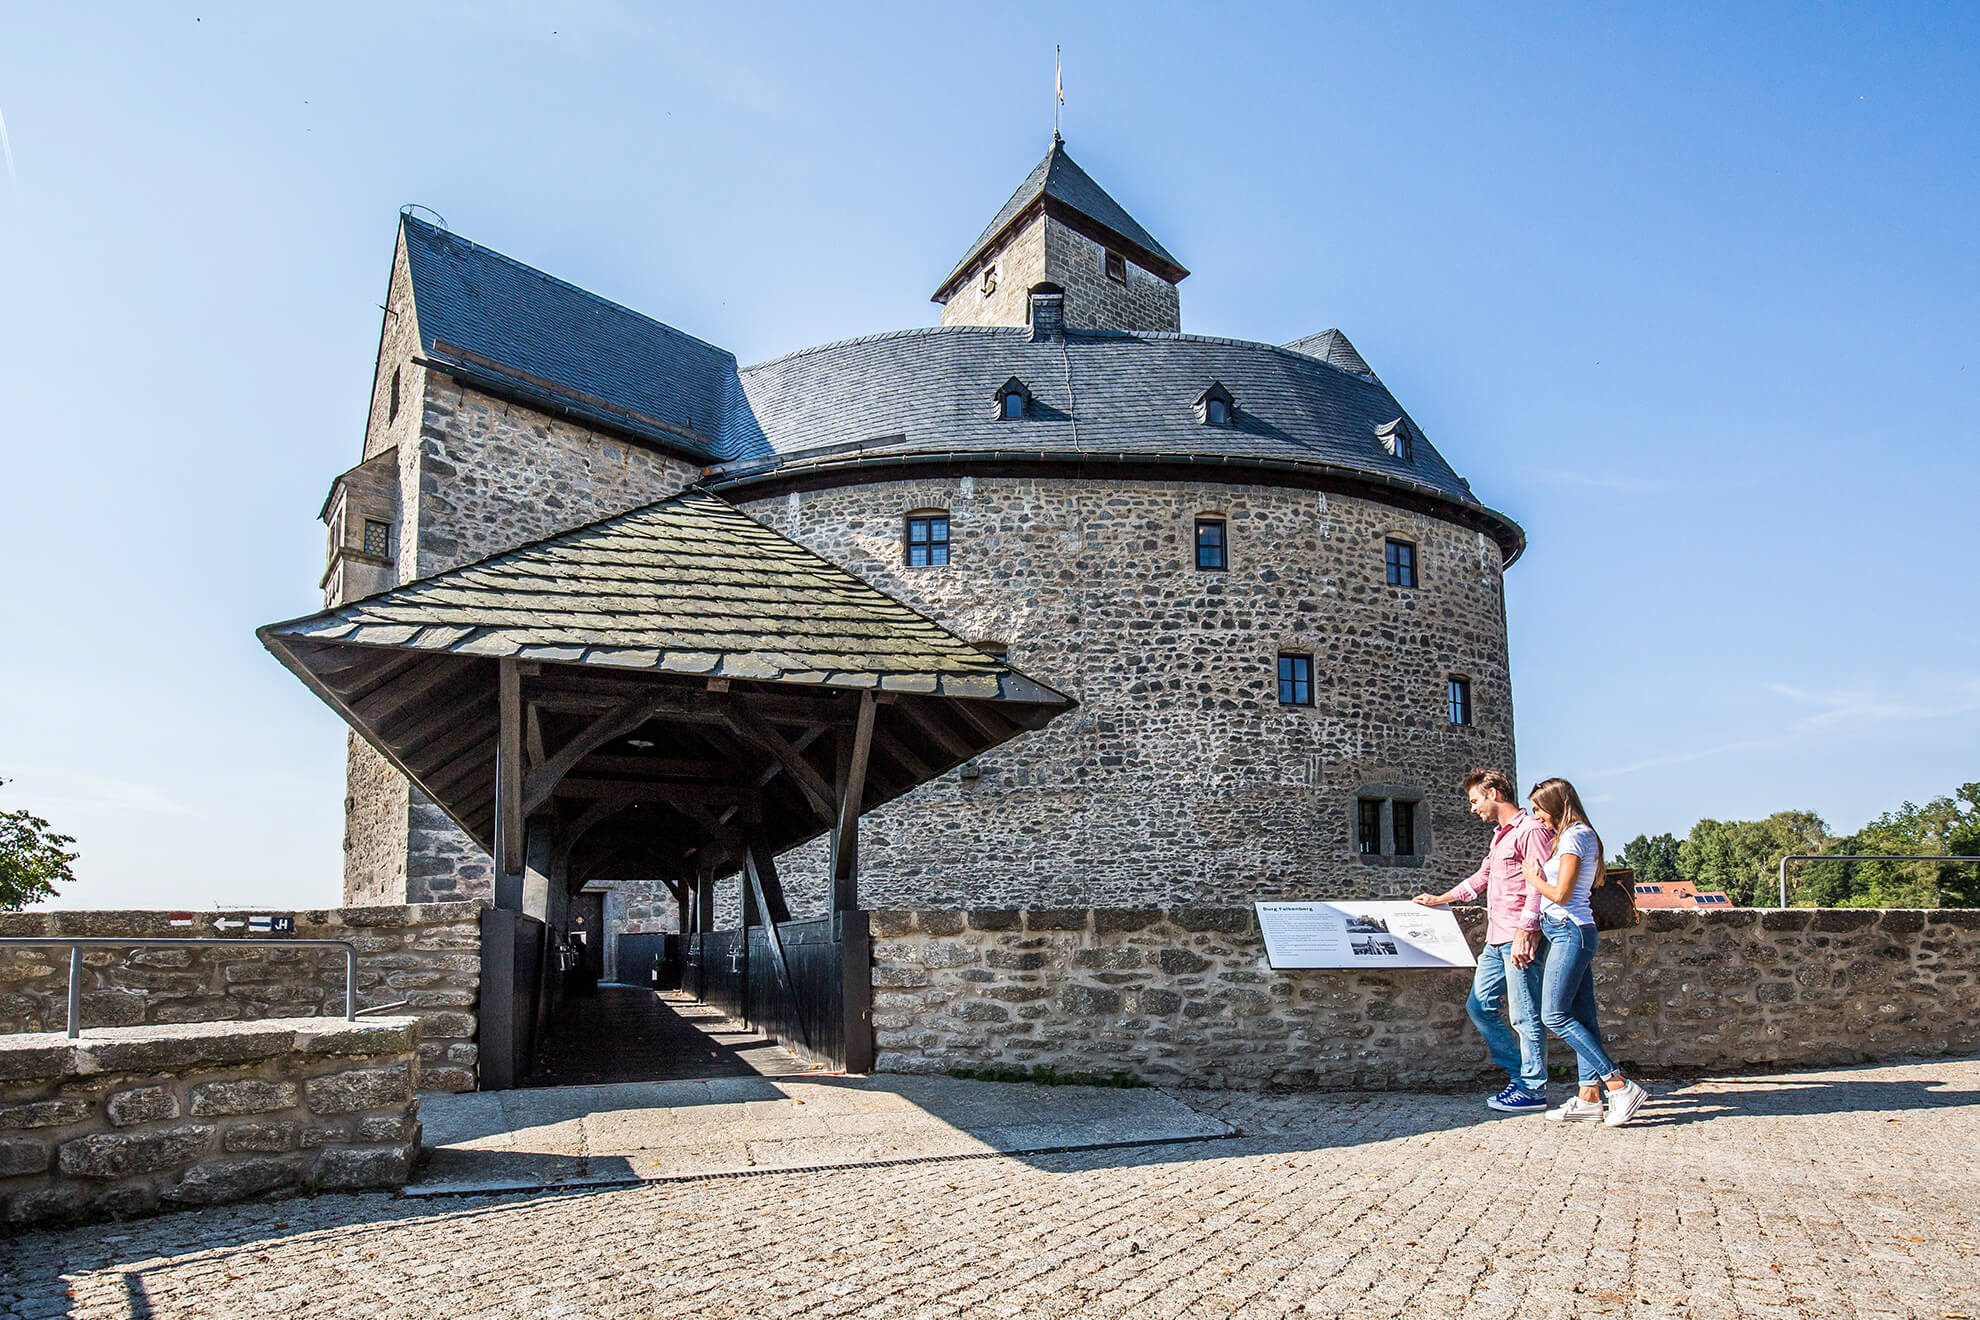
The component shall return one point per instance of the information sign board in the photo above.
(1391, 933)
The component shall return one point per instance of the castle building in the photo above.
(1279, 609)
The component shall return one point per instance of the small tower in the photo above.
(1060, 233)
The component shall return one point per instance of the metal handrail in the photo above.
(1866, 857)
(76, 945)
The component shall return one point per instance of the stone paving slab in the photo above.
(577, 1136)
(1848, 1193)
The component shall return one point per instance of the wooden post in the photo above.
(704, 898)
(854, 752)
(758, 867)
(508, 789)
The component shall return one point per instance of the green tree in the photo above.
(1655, 860)
(1743, 857)
(32, 858)
(1945, 825)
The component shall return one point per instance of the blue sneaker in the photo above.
(1516, 1099)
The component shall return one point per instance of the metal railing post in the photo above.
(75, 991)
(1867, 857)
(76, 945)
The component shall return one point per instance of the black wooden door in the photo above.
(588, 924)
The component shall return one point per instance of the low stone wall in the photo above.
(426, 955)
(1184, 996)
(130, 1119)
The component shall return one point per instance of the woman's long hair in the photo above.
(1558, 799)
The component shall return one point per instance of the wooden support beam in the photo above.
(616, 723)
(595, 814)
(981, 721)
(896, 748)
(415, 682)
(854, 752)
(364, 672)
(809, 782)
(758, 867)
(704, 897)
(508, 790)
(627, 791)
(929, 718)
(533, 734)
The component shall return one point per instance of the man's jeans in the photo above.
(1520, 1049)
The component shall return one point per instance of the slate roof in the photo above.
(1060, 178)
(1332, 346)
(687, 586)
(491, 316)
(1102, 393)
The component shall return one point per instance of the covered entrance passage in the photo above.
(677, 694)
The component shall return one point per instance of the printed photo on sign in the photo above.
(1377, 933)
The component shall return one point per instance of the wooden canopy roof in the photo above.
(672, 680)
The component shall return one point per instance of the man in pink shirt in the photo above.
(1510, 964)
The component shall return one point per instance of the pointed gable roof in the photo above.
(520, 333)
(1332, 346)
(1069, 194)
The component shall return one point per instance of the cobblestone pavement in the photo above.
(1851, 1192)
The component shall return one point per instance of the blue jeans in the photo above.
(1567, 995)
(1520, 1049)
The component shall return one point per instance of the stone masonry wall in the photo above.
(1180, 779)
(1046, 251)
(427, 956)
(490, 476)
(133, 1119)
(1145, 301)
(1185, 997)
(1020, 263)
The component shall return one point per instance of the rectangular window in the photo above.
(928, 540)
(377, 538)
(1296, 680)
(1401, 559)
(1460, 698)
(1117, 267)
(1210, 543)
(1402, 825)
(1368, 825)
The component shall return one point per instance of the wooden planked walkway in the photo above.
(627, 1033)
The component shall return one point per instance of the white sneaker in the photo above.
(1623, 1103)
(1577, 1110)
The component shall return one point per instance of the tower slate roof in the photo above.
(492, 319)
(1059, 179)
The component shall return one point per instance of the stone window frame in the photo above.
(929, 542)
(1289, 680)
(1457, 700)
(1114, 265)
(1384, 797)
(989, 279)
(1395, 571)
(384, 526)
(1223, 526)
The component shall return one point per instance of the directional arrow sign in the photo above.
(224, 924)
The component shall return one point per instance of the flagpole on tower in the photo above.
(1059, 89)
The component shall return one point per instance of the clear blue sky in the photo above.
(1691, 293)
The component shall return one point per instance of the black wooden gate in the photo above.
(819, 1004)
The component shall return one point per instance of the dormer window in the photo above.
(1396, 439)
(1013, 398)
(1117, 268)
(1215, 406)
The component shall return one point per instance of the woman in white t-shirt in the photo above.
(1567, 990)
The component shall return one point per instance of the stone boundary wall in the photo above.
(133, 1119)
(427, 955)
(1184, 997)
